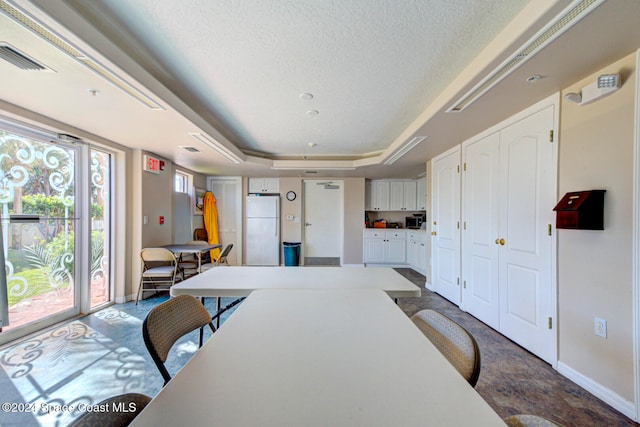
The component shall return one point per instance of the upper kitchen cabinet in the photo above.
(264, 185)
(421, 195)
(376, 195)
(395, 195)
(402, 195)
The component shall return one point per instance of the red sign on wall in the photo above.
(153, 165)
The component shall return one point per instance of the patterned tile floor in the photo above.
(101, 355)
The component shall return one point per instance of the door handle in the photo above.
(306, 224)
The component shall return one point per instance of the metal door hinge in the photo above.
(458, 168)
(458, 225)
(549, 229)
(465, 166)
(464, 284)
(464, 225)
(551, 135)
(550, 323)
(458, 281)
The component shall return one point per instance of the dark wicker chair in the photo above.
(168, 322)
(132, 403)
(453, 341)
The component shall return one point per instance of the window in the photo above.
(181, 182)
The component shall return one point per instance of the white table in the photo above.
(318, 357)
(193, 248)
(241, 281)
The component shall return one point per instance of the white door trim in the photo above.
(635, 246)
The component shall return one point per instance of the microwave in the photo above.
(415, 221)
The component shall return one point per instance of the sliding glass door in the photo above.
(43, 235)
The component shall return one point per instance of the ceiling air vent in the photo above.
(190, 149)
(554, 29)
(19, 59)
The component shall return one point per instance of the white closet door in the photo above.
(228, 194)
(446, 221)
(480, 235)
(526, 210)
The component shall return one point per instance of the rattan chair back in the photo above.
(168, 322)
(453, 341)
(132, 403)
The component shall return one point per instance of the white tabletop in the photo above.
(241, 281)
(318, 358)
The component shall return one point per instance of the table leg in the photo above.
(218, 301)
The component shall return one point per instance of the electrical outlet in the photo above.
(600, 327)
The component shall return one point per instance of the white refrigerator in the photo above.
(263, 230)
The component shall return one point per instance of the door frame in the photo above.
(304, 217)
(635, 245)
(82, 211)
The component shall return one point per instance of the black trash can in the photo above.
(291, 254)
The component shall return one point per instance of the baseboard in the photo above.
(125, 299)
(353, 265)
(606, 395)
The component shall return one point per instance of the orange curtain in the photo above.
(210, 215)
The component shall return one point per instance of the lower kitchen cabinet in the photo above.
(417, 250)
(382, 246)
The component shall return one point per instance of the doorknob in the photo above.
(497, 241)
(306, 224)
(502, 242)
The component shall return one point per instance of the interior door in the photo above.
(323, 216)
(526, 212)
(445, 227)
(228, 194)
(480, 235)
(39, 222)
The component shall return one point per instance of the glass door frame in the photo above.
(82, 232)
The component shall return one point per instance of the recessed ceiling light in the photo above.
(306, 96)
(313, 112)
(94, 92)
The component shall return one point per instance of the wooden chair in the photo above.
(160, 267)
(132, 403)
(168, 322)
(453, 341)
(525, 420)
(200, 234)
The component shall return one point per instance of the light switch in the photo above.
(289, 217)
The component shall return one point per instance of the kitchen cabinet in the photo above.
(421, 194)
(402, 195)
(264, 185)
(388, 195)
(377, 195)
(417, 250)
(382, 246)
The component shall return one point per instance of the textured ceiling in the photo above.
(372, 66)
(381, 73)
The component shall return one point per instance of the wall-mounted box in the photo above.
(581, 210)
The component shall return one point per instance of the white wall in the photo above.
(595, 267)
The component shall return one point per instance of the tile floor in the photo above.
(97, 356)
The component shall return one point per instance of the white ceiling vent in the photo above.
(19, 59)
(554, 29)
(190, 149)
(48, 35)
